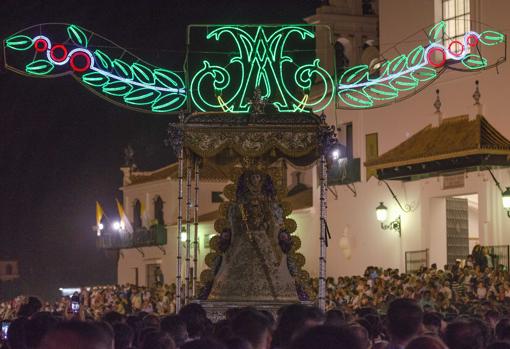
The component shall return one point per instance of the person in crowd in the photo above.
(426, 342)
(327, 337)
(405, 319)
(157, 340)
(76, 335)
(464, 334)
(293, 320)
(196, 320)
(124, 336)
(467, 306)
(254, 327)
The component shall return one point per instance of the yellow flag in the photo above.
(120, 209)
(123, 218)
(99, 213)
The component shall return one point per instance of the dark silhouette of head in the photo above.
(426, 342)
(175, 326)
(327, 337)
(76, 335)
(404, 319)
(295, 319)
(252, 326)
(463, 334)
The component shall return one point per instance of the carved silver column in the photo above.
(323, 183)
(176, 140)
(188, 228)
(195, 222)
(327, 139)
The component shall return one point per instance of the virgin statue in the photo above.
(254, 267)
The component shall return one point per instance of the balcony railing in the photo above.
(141, 237)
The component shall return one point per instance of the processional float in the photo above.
(248, 98)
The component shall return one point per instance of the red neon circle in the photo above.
(40, 45)
(443, 55)
(73, 63)
(461, 46)
(60, 58)
(472, 40)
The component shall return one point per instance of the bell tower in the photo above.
(354, 28)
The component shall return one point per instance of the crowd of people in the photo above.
(96, 301)
(461, 306)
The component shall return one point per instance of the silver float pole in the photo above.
(188, 227)
(178, 285)
(323, 216)
(195, 222)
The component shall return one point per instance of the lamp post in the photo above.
(381, 212)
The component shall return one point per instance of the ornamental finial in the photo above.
(477, 94)
(258, 103)
(437, 103)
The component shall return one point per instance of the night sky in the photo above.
(61, 146)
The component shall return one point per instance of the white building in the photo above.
(357, 237)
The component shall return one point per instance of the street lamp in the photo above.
(381, 212)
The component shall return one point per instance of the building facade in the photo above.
(444, 212)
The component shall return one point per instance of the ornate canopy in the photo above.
(226, 138)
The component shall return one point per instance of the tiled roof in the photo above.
(454, 137)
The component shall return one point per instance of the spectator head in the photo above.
(503, 330)
(113, 317)
(404, 319)
(195, 318)
(327, 337)
(492, 317)
(37, 327)
(223, 330)
(203, 343)
(361, 334)
(157, 340)
(150, 320)
(32, 306)
(426, 342)
(294, 320)
(76, 335)
(254, 327)
(238, 343)
(175, 326)
(124, 336)
(463, 334)
(432, 322)
(16, 335)
(335, 317)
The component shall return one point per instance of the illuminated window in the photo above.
(457, 16)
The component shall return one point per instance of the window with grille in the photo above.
(457, 16)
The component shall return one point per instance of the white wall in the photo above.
(167, 189)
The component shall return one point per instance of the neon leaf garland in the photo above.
(357, 89)
(260, 59)
(124, 80)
